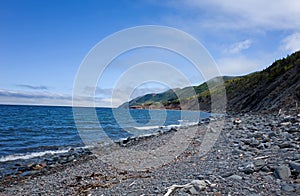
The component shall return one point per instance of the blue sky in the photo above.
(42, 43)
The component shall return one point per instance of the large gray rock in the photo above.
(295, 166)
(282, 172)
(287, 188)
(195, 187)
(235, 177)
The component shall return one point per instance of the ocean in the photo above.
(31, 131)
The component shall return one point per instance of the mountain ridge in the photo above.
(274, 88)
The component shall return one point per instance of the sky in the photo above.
(43, 43)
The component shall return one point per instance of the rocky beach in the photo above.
(258, 156)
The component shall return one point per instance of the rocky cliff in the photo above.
(276, 87)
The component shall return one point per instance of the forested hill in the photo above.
(276, 87)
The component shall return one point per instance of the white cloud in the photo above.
(34, 97)
(239, 46)
(239, 65)
(280, 14)
(291, 43)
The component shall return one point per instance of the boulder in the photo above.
(295, 166)
(282, 172)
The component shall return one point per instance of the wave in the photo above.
(182, 124)
(31, 155)
(148, 127)
(36, 154)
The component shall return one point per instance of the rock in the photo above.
(272, 135)
(248, 168)
(28, 173)
(282, 172)
(37, 167)
(291, 119)
(237, 151)
(24, 168)
(199, 184)
(43, 164)
(71, 158)
(200, 177)
(293, 129)
(285, 144)
(193, 191)
(225, 175)
(265, 169)
(295, 166)
(285, 123)
(237, 121)
(259, 163)
(254, 142)
(31, 165)
(235, 177)
(209, 172)
(287, 188)
(261, 146)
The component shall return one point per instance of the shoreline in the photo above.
(259, 156)
(19, 166)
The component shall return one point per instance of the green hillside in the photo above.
(276, 87)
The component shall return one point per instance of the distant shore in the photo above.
(261, 155)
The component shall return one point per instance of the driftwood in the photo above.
(103, 181)
(172, 188)
(198, 184)
(262, 157)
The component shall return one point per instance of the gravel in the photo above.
(259, 156)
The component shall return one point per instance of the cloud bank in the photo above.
(32, 87)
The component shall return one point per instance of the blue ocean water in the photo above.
(33, 130)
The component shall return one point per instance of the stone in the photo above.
(225, 175)
(287, 188)
(200, 177)
(28, 173)
(265, 169)
(285, 144)
(37, 167)
(272, 135)
(248, 168)
(199, 184)
(261, 146)
(236, 151)
(254, 142)
(209, 172)
(259, 163)
(24, 168)
(235, 177)
(193, 191)
(282, 172)
(268, 178)
(295, 166)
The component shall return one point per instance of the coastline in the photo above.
(259, 156)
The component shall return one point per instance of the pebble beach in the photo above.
(258, 156)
